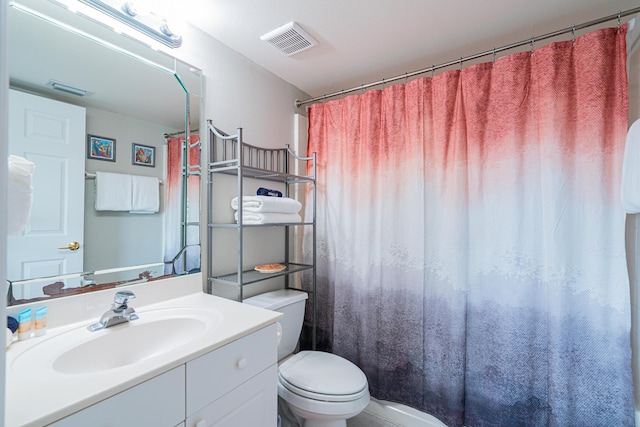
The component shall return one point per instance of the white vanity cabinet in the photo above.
(234, 385)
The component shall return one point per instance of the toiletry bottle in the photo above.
(40, 323)
(24, 324)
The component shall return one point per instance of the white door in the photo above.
(52, 135)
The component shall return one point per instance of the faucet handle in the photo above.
(121, 298)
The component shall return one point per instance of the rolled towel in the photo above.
(12, 324)
(267, 217)
(267, 204)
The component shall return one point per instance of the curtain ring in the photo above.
(460, 63)
(406, 78)
(619, 15)
(532, 39)
(433, 71)
(494, 55)
(573, 35)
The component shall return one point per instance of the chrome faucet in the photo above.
(120, 312)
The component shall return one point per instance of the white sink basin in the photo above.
(130, 343)
(155, 333)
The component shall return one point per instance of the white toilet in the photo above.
(320, 389)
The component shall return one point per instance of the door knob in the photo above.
(73, 246)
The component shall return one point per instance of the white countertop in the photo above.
(41, 395)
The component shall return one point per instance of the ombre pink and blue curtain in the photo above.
(174, 238)
(471, 255)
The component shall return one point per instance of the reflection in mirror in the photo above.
(139, 102)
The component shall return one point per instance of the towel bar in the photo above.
(89, 175)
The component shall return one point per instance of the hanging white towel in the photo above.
(630, 188)
(113, 191)
(146, 194)
(267, 204)
(20, 194)
(267, 217)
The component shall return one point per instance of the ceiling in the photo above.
(360, 41)
(363, 41)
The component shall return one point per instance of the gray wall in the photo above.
(240, 93)
(633, 221)
(137, 237)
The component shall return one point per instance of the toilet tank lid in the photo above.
(277, 299)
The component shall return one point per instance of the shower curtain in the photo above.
(174, 208)
(471, 241)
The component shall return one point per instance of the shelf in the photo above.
(252, 276)
(230, 155)
(255, 173)
(278, 224)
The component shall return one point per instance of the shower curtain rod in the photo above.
(493, 51)
(181, 132)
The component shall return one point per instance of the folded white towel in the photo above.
(145, 194)
(630, 187)
(113, 191)
(267, 217)
(267, 204)
(20, 194)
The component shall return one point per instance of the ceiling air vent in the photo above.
(290, 39)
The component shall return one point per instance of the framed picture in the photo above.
(143, 155)
(101, 148)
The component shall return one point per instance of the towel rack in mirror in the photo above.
(89, 175)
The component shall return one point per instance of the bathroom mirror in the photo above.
(136, 95)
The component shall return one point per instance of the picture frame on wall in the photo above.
(101, 148)
(143, 155)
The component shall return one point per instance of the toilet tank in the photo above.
(290, 303)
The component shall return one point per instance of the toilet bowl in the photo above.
(320, 389)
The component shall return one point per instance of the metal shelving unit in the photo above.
(230, 155)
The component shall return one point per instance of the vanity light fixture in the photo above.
(17, 6)
(63, 87)
(147, 22)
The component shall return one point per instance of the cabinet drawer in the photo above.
(254, 403)
(220, 371)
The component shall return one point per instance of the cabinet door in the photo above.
(253, 403)
(214, 374)
(157, 402)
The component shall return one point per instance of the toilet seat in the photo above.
(323, 397)
(323, 376)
